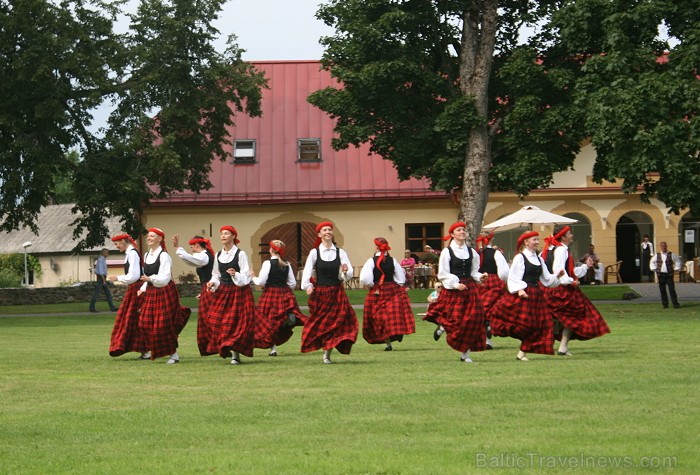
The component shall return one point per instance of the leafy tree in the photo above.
(172, 94)
(12, 269)
(446, 90)
(63, 188)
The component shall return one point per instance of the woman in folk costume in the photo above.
(162, 316)
(522, 312)
(126, 335)
(458, 309)
(387, 312)
(494, 264)
(202, 258)
(232, 311)
(332, 322)
(277, 308)
(570, 306)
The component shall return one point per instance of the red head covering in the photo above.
(120, 237)
(383, 246)
(524, 236)
(318, 230)
(278, 249)
(160, 233)
(205, 243)
(554, 240)
(458, 224)
(233, 231)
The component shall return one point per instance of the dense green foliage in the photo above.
(172, 95)
(451, 91)
(12, 269)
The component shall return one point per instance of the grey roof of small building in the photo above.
(55, 233)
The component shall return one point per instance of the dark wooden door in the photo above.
(298, 237)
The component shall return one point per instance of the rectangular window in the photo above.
(309, 150)
(244, 151)
(426, 234)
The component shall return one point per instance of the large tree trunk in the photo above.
(475, 62)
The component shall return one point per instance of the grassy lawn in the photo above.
(357, 297)
(628, 399)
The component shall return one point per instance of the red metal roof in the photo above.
(277, 176)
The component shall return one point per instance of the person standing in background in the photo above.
(408, 264)
(101, 274)
(647, 252)
(665, 264)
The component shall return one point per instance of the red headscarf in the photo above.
(233, 231)
(160, 233)
(458, 224)
(123, 236)
(524, 236)
(383, 246)
(206, 243)
(318, 230)
(483, 241)
(554, 240)
(278, 249)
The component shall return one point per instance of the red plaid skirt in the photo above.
(274, 305)
(162, 319)
(205, 340)
(461, 313)
(491, 289)
(528, 320)
(126, 335)
(332, 322)
(575, 311)
(387, 314)
(232, 315)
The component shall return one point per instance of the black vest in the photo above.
(152, 269)
(225, 276)
(204, 272)
(278, 274)
(532, 273)
(388, 268)
(327, 272)
(549, 261)
(126, 264)
(488, 262)
(460, 267)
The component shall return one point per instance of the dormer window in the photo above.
(244, 151)
(309, 150)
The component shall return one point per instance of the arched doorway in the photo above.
(583, 236)
(299, 238)
(628, 238)
(689, 244)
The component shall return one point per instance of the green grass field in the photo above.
(625, 403)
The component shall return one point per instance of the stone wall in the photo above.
(80, 293)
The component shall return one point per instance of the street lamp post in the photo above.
(26, 269)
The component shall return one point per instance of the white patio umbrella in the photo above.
(526, 217)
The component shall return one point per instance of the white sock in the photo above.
(441, 330)
(236, 356)
(174, 356)
(274, 348)
(465, 355)
(146, 354)
(327, 354)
